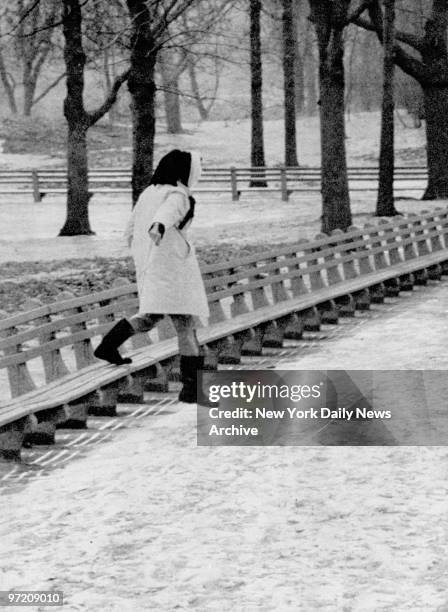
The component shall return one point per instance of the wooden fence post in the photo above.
(37, 196)
(284, 184)
(234, 184)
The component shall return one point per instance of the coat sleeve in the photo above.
(172, 211)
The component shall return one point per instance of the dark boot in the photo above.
(189, 366)
(114, 338)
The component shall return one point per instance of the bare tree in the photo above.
(204, 102)
(79, 120)
(330, 22)
(289, 87)
(427, 62)
(204, 40)
(8, 82)
(30, 33)
(256, 82)
(385, 204)
(172, 63)
(150, 30)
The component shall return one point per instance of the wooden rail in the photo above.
(234, 181)
(256, 301)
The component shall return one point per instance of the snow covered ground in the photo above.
(28, 231)
(226, 143)
(149, 522)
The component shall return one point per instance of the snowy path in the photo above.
(150, 522)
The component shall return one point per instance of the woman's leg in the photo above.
(144, 322)
(188, 344)
(120, 332)
(190, 361)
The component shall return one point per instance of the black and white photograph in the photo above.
(223, 305)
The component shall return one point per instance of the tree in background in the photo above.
(172, 63)
(32, 31)
(385, 206)
(149, 31)
(289, 87)
(204, 99)
(256, 82)
(330, 22)
(79, 120)
(427, 62)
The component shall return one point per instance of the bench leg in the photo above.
(392, 287)
(435, 272)
(76, 413)
(159, 384)
(253, 345)
(229, 350)
(346, 306)
(272, 335)
(133, 392)
(105, 401)
(134, 389)
(377, 293)
(311, 319)
(12, 436)
(406, 282)
(43, 429)
(294, 327)
(362, 299)
(444, 266)
(210, 358)
(421, 277)
(328, 312)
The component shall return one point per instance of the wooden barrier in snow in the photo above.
(234, 181)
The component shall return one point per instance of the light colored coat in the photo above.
(168, 277)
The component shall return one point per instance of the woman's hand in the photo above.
(156, 232)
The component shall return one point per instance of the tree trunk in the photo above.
(77, 220)
(385, 204)
(436, 114)
(142, 88)
(431, 72)
(335, 193)
(310, 69)
(79, 121)
(299, 59)
(172, 110)
(257, 138)
(299, 78)
(202, 110)
(109, 77)
(311, 97)
(29, 89)
(435, 57)
(289, 86)
(171, 100)
(8, 85)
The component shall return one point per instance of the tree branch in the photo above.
(94, 116)
(49, 88)
(357, 12)
(409, 64)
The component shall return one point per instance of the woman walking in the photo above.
(168, 277)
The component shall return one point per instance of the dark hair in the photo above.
(174, 166)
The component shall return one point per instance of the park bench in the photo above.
(255, 301)
(232, 181)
